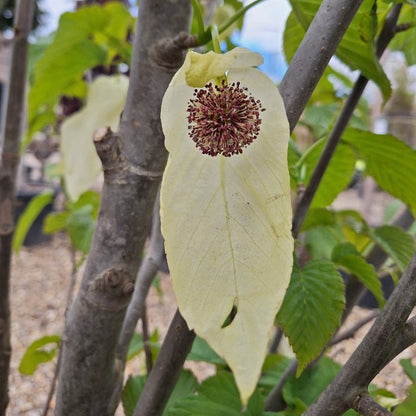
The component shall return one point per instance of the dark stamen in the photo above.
(223, 119)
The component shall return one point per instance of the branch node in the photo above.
(168, 53)
(111, 289)
(365, 405)
(107, 144)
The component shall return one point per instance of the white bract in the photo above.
(105, 102)
(225, 204)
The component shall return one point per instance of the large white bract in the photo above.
(225, 204)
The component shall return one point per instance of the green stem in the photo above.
(196, 5)
(216, 47)
(205, 37)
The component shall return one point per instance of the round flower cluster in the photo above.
(223, 119)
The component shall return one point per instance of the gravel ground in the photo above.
(40, 279)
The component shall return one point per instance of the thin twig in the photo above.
(11, 132)
(147, 272)
(366, 406)
(146, 342)
(275, 400)
(350, 332)
(69, 299)
(386, 35)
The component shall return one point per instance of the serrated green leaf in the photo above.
(311, 383)
(217, 395)
(409, 368)
(347, 257)
(233, 214)
(389, 161)
(407, 408)
(336, 177)
(32, 211)
(315, 291)
(398, 244)
(36, 354)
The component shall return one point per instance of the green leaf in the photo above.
(311, 383)
(136, 346)
(321, 240)
(292, 36)
(273, 369)
(201, 351)
(55, 221)
(405, 41)
(32, 211)
(337, 176)
(91, 36)
(347, 257)
(389, 161)
(36, 355)
(131, 393)
(217, 395)
(398, 244)
(315, 291)
(409, 368)
(320, 118)
(357, 47)
(317, 217)
(80, 226)
(407, 408)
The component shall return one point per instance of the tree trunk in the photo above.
(11, 132)
(133, 161)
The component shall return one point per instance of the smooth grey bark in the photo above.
(11, 133)
(316, 49)
(133, 162)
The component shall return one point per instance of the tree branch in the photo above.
(366, 406)
(167, 368)
(381, 344)
(134, 159)
(11, 133)
(386, 35)
(316, 49)
(275, 400)
(350, 332)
